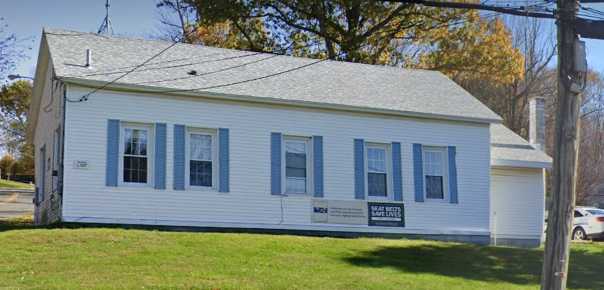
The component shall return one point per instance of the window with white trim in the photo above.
(201, 158)
(135, 153)
(297, 164)
(378, 170)
(435, 172)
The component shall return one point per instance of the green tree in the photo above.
(14, 105)
(352, 30)
(458, 43)
(181, 23)
(478, 49)
(7, 164)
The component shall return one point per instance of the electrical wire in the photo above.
(274, 54)
(114, 69)
(590, 12)
(207, 73)
(243, 81)
(177, 65)
(85, 96)
(54, 86)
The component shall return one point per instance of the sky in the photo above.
(138, 18)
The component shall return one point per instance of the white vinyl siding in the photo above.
(249, 200)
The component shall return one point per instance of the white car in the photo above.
(588, 223)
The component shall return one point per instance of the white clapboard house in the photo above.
(217, 138)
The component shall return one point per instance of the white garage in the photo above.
(517, 205)
(517, 189)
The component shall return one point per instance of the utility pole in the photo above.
(561, 212)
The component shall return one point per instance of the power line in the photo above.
(208, 73)
(122, 68)
(177, 65)
(195, 75)
(591, 12)
(518, 11)
(244, 81)
(85, 96)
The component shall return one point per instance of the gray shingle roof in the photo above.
(507, 147)
(416, 92)
(413, 92)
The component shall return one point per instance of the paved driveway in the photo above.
(15, 203)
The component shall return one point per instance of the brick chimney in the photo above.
(537, 122)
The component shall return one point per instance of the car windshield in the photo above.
(596, 211)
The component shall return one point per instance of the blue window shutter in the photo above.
(223, 159)
(276, 163)
(318, 165)
(179, 157)
(418, 172)
(397, 175)
(452, 175)
(160, 156)
(113, 149)
(359, 169)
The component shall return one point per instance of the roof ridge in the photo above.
(68, 32)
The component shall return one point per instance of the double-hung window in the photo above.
(201, 158)
(377, 171)
(435, 172)
(297, 164)
(136, 149)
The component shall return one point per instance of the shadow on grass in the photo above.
(512, 265)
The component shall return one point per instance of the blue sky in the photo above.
(26, 18)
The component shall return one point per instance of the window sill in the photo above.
(433, 200)
(135, 185)
(293, 195)
(376, 198)
(203, 189)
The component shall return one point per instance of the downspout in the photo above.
(62, 163)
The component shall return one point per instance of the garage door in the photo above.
(517, 203)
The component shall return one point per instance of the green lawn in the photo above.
(82, 258)
(8, 184)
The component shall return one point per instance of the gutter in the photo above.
(276, 101)
(520, 164)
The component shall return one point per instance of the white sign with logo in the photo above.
(80, 164)
(331, 211)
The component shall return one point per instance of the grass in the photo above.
(9, 184)
(101, 258)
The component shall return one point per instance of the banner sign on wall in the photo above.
(357, 212)
(386, 214)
